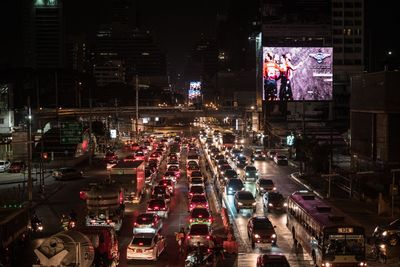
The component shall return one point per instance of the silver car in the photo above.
(245, 200)
(147, 223)
(198, 233)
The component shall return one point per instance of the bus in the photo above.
(324, 232)
(228, 140)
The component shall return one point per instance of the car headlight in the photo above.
(384, 233)
(222, 173)
(240, 203)
(230, 189)
(362, 264)
(273, 236)
(270, 205)
(274, 188)
(285, 204)
(256, 236)
(254, 203)
(247, 173)
(382, 246)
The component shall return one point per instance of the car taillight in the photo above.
(149, 249)
(206, 205)
(188, 236)
(92, 221)
(191, 205)
(135, 224)
(191, 194)
(109, 221)
(164, 208)
(210, 219)
(208, 237)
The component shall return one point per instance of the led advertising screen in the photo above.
(194, 90)
(297, 73)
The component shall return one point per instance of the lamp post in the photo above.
(29, 144)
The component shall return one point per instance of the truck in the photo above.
(130, 175)
(14, 225)
(105, 206)
(84, 247)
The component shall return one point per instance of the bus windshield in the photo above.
(343, 244)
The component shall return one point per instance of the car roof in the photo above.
(199, 225)
(144, 235)
(244, 193)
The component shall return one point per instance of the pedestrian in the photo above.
(180, 238)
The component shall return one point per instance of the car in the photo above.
(147, 246)
(172, 163)
(235, 152)
(161, 191)
(250, 173)
(261, 231)
(147, 223)
(140, 155)
(196, 174)
(198, 233)
(193, 157)
(229, 174)
(218, 157)
(67, 173)
(135, 146)
(223, 168)
(153, 163)
(233, 186)
(389, 233)
(110, 157)
(175, 169)
(264, 185)
(198, 201)
(271, 154)
(170, 175)
(272, 259)
(258, 154)
(149, 175)
(244, 200)
(200, 215)
(155, 155)
(222, 162)
(169, 183)
(192, 168)
(214, 151)
(274, 201)
(196, 190)
(196, 181)
(241, 161)
(158, 206)
(173, 157)
(17, 166)
(130, 158)
(281, 160)
(209, 141)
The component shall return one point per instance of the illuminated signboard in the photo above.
(297, 73)
(194, 90)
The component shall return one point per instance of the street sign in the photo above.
(70, 133)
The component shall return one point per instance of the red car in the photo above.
(17, 166)
(175, 169)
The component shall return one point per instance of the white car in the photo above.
(145, 247)
(4, 165)
(147, 223)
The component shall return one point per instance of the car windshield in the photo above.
(196, 174)
(200, 213)
(159, 190)
(169, 173)
(197, 189)
(235, 183)
(198, 198)
(262, 224)
(264, 182)
(275, 197)
(245, 196)
(281, 157)
(199, 229)
(145, 219)
(142, 241)
(274, 263)
(156, 203)
(197, 180)
(251, 169)
(173, 168)
(231, 174)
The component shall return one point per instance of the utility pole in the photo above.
(29, 144)
(90, 129)
(137, 106)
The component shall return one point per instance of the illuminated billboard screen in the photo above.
(194, 90)
(297, 73)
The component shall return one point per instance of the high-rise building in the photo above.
(48, 34)
(109, 71)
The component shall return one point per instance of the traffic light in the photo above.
(45, 156)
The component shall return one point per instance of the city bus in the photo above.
(324, 232)
(228, 140)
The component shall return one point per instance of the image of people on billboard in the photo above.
(194, 90)
(297, 73)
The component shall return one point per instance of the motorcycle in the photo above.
(68, 223)
(196, 259)
(36, 225)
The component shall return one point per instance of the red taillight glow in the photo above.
(135, 224)
(188, 236)
(210, 220)
(208, 237)
(191, 220)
